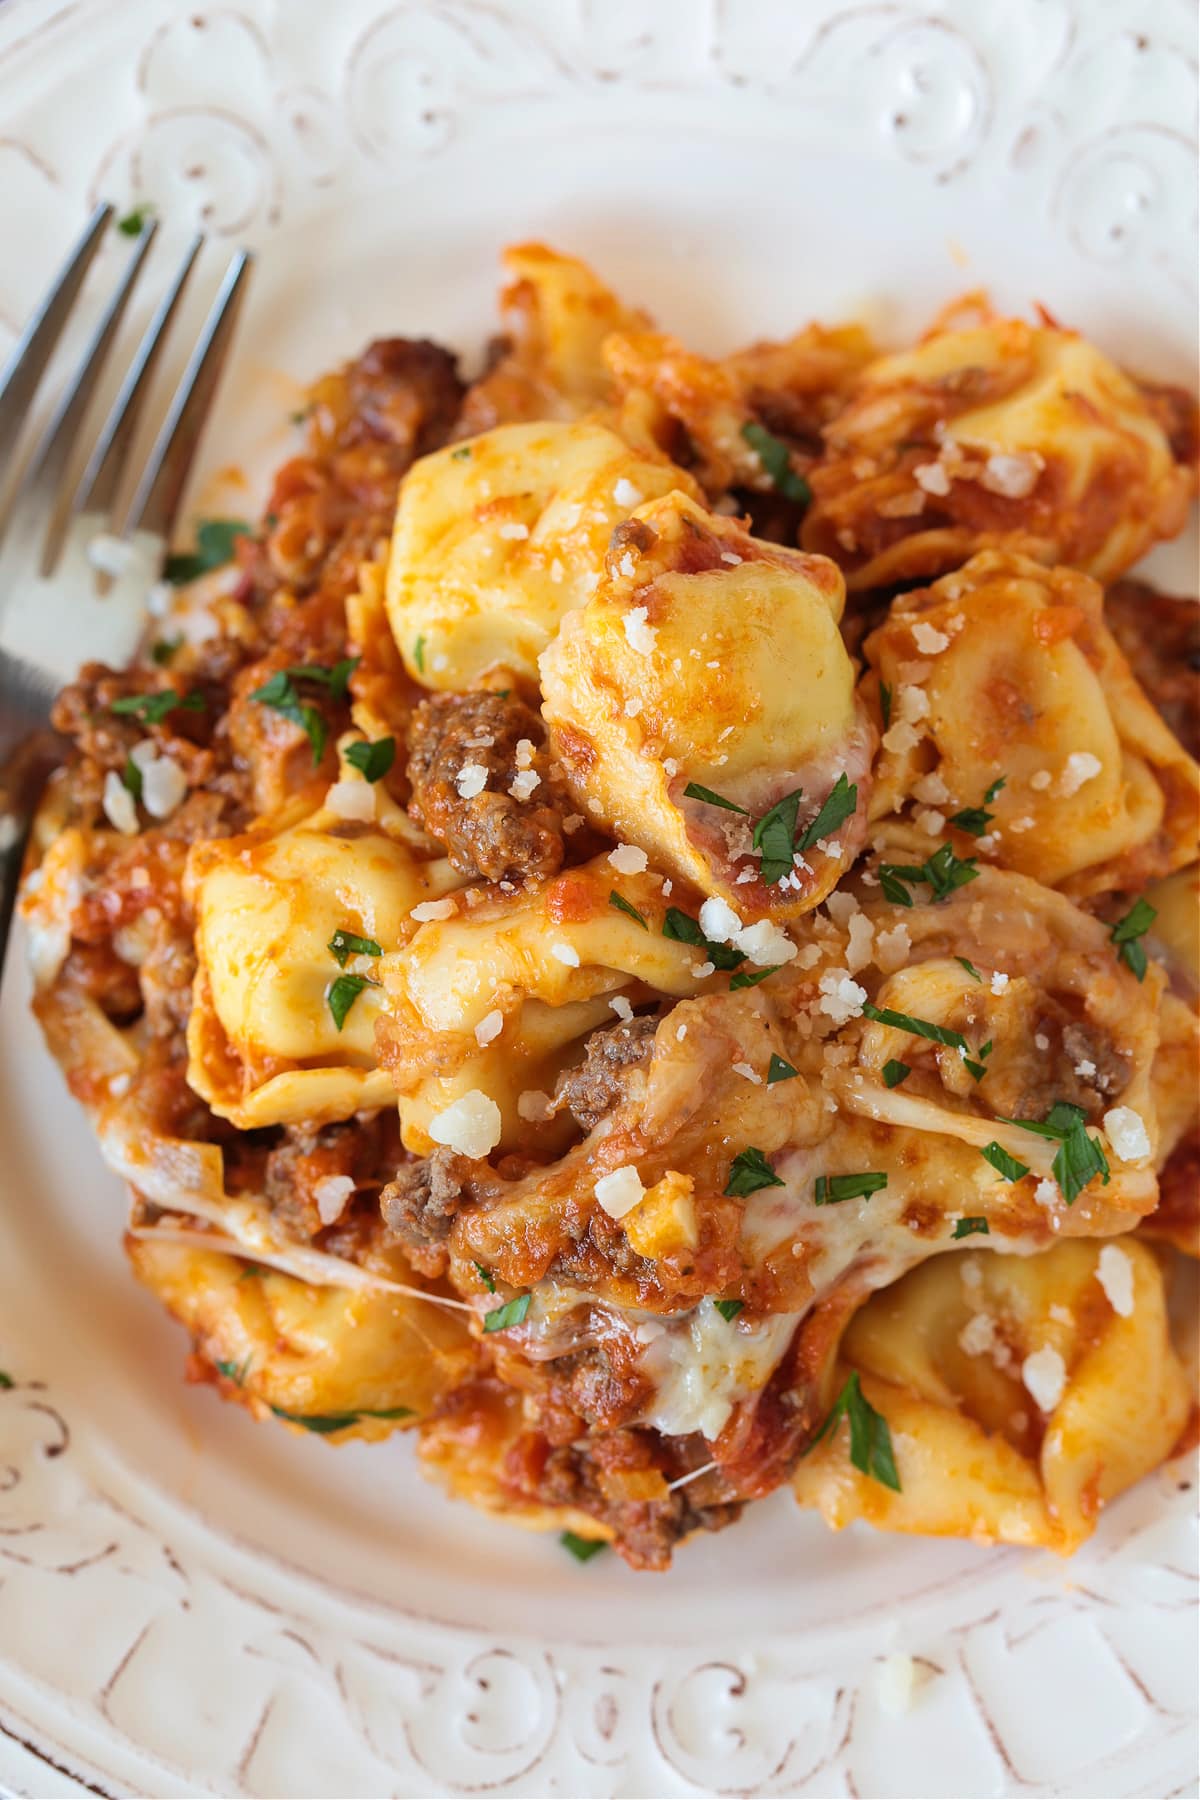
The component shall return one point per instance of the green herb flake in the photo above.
(870, 1439)
(837, 808)
(372, 760)
(511, 1313)
(748, 1172)
(325, 1423)
(943, 872)
(344, 944)
(885, 704)
(6, 1380)
(1127, 933)
(775, 835)
(744, 979)
(152, 709)
(895, 1071)
(972, 1227)
(131, 776)
(461, 454)
(344, 992)
(974, 1069)
(625, 906)
(1002, 1162)
(164, 649)
(336, 680)
(778, 1069)
(486, 1276)
(235, 1372)
(280, 695)
(773, 455)
(937, 1034)
(975, 820)
(581, 1548)
(215, 542)
(1079, 1158)
(134, 222)
(830, 1189)
(683, 929)
(729, 1309)
(419, 655)
(969, 966)
(693, 791)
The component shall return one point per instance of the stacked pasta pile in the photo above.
(676, 974)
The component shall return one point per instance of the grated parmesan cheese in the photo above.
(718, 921)
(471, 1125)
(765, 944)
(621, 1007)
(892, 948)
(471, 780)
(489, 1027)
(641, 637)
(119, 807)
(432, 909)
(565, 953)
(1126, 1131)
(1045, 1376)
(928, 639)
(625, 494)
(1114, 1272)
(1081, 767)
(535, 1106)
(627, 859)
(352, 800)
(521, 786)
(514, 530)
(841, 998)
(619, 1192)
(331, 1194)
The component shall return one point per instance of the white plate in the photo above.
(193, 1604)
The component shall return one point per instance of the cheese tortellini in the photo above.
(1091, 790)
(708, 659)
(265, 1046)
(499, 538)
(1022, 1395)
(996, 431)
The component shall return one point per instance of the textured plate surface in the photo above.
(190, 1604)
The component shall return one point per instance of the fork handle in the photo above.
(21, 782)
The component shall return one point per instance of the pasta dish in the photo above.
(641, 925)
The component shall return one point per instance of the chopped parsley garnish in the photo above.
(778, 1070)
(885, 704)
(683, 929)
(235, 1372)
(975, 819)
(729, 1309)
(511, 1313)
(324, 1423)
(895, 1071)
(6, 1380)
(461, 454)
(832, 1188)
(837, 808)
(969, 966)
(344, 992)
(131, 775)
(215, 540)
(419, 655)
(302, 414)
(775, 836)
(152, 709)
(134, 222)
(623, 905)
(773, 455)
(943, 871)
(974, 1069)
(372, 760)
(1127, 933)
(337, 679)
(693, 791)
(164, 649)
(1003, 1163)
(748, 1172)
(581, 1548)
(486, 1276)
(937, 1034)
(1079, 1158)
(870, 1440)
(971, 1227)
(344, 944)
(745, 979)
(280, 695)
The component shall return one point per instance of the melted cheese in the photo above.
(498, 539)
(705, 1364)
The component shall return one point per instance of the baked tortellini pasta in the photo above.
(563, 982)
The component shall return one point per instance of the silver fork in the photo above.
(35, 526)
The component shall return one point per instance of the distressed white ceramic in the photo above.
(190, 1604)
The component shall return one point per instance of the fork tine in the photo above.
(98, 484)
(48, 470)
(27, 364)
(156, 502)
